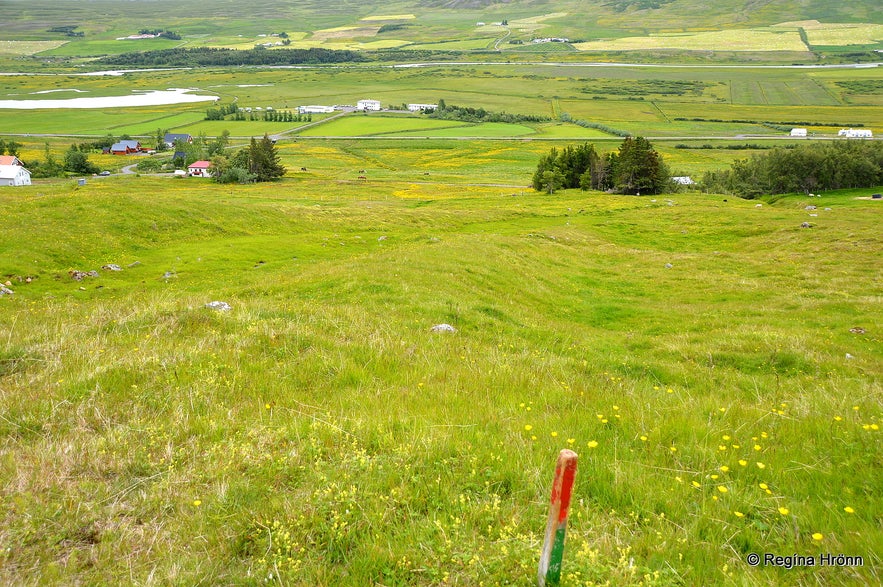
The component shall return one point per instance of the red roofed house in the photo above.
(125, 148)
(199, 168)
(12, 172)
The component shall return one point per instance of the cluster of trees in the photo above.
(67, 30)
(212, 57)
(270, 115)
(635, 168)
(259, 161)
(809, 167)
(75, 162)
(161, 33)
(468, 114)
(9, 148)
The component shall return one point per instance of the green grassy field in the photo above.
(319, 434)
(715, 364)
(598, 95)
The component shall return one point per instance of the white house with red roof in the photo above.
(199, 168)
(12, 172)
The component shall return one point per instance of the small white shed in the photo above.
(798, 132)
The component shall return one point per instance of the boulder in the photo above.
(78, 275)
(443, 328)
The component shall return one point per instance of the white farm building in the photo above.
(855, 133)
(798, 132)
(12, 172)
(368, 105)
(422, 107)
(315, 109)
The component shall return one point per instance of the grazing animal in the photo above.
(363, 177)
(303, 168)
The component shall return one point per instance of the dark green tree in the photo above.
(12, 148)
(75, 161)
(547, 163)
(639, 168)
(263, 160)
(552, 179)
(161, 140)
(217, 146)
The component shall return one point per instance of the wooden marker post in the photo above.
(556, 526)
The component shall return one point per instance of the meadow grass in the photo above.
(696, 352)
(372, 124)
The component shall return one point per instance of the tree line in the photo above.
(270, 115)
(806, 168)
(635, 168)
(215, 57)
(469, 114)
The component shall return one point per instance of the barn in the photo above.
(13, 172)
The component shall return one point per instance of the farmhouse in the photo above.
(14, 175)
(315, 109)
(683, 180)
(798, 132)
(171, 138)
(368, 105)
(125, 148)
(199, 168)
(422, 107)
(855, 133)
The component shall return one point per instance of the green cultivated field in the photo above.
(369, 125)
(604, 96)
(319, 434)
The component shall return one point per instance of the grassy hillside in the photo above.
(715, 365)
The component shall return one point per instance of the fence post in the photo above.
(556, 526)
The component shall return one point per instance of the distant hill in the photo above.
(432, 25)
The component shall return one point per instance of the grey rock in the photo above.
(77, 275)
(805, 225)
(219, 306)
(5, 291)
(111, 267)
(443, 328)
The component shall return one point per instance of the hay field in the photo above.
(728, 40)
(27, 47)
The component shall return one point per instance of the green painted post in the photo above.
(556, 526)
